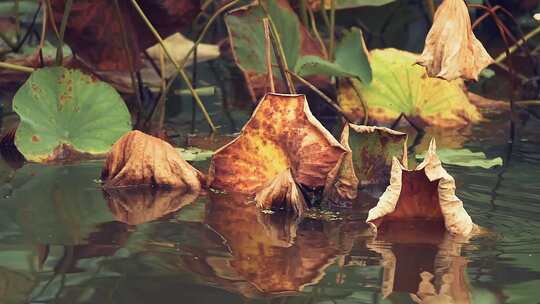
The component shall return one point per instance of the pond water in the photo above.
(62, 240)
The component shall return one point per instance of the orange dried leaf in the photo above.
(144, 204)
(425, 194)
(282, 193)
(140, 159)
(281, 134)
(451, 50)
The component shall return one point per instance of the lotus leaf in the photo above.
(246, 34)
(465, 158)
(281, 134)
(345, 4)
(65, 112)
(368, 162)
(282, 193)
(351, 60)
(141, 159)
(401, 87)
(424, 194)
(451, 50)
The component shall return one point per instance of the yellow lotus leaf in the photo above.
(281, 134)
(368, 161)
(451, 50)
(140, 159)
(401, 87)
(282, 193)
(144, 204)
(424, 194)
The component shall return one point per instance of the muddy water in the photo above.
(62, 240)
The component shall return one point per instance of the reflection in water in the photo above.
(269, 254)
(421, 259)
(137, 205)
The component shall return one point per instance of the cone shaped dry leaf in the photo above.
(141, 159)
(282, 193)
(426, 193)
(144, 204)
(281, 134)
(451, 50)
(368, 162)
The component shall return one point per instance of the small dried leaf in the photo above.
(140, 159)
(426, 194)
(368, 162)
(451, 50)
(282, 193)
(281, 134)
(144, 204)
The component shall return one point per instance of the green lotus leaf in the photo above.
(351, 60)
(399, 86)
(344, 4)
(65, 113)
(465, 158)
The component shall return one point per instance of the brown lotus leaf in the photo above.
(424, 194)
(451, 50)
(282, 193)
(140, 159)
(282, 134)
(368, 161)
(95, 33)
(416, 256)
(143, 204)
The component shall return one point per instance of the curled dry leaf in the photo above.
(425, 194)
(282, 193)
(140, 159)
(451, 50)
(144, 204)
(282, 134)
(368, 161)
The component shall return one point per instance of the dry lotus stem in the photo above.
(140, 159)
(451, 50)
(282, 193)
(426, 193)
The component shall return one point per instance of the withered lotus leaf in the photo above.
(368, 161)
(281, 134)
(451, 50)
(140, 159)
(282, 193)
(424, 194)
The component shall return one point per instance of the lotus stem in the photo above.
(63, 25)
(431, 8)
(332, 29)
(518, 44)
(177, 66)
(17, 19)
(316, 32)
(328, 100)
(129, 55)
(279, 52)
(16, 67)
(205, 29)
(303, 12)
(268, 54)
